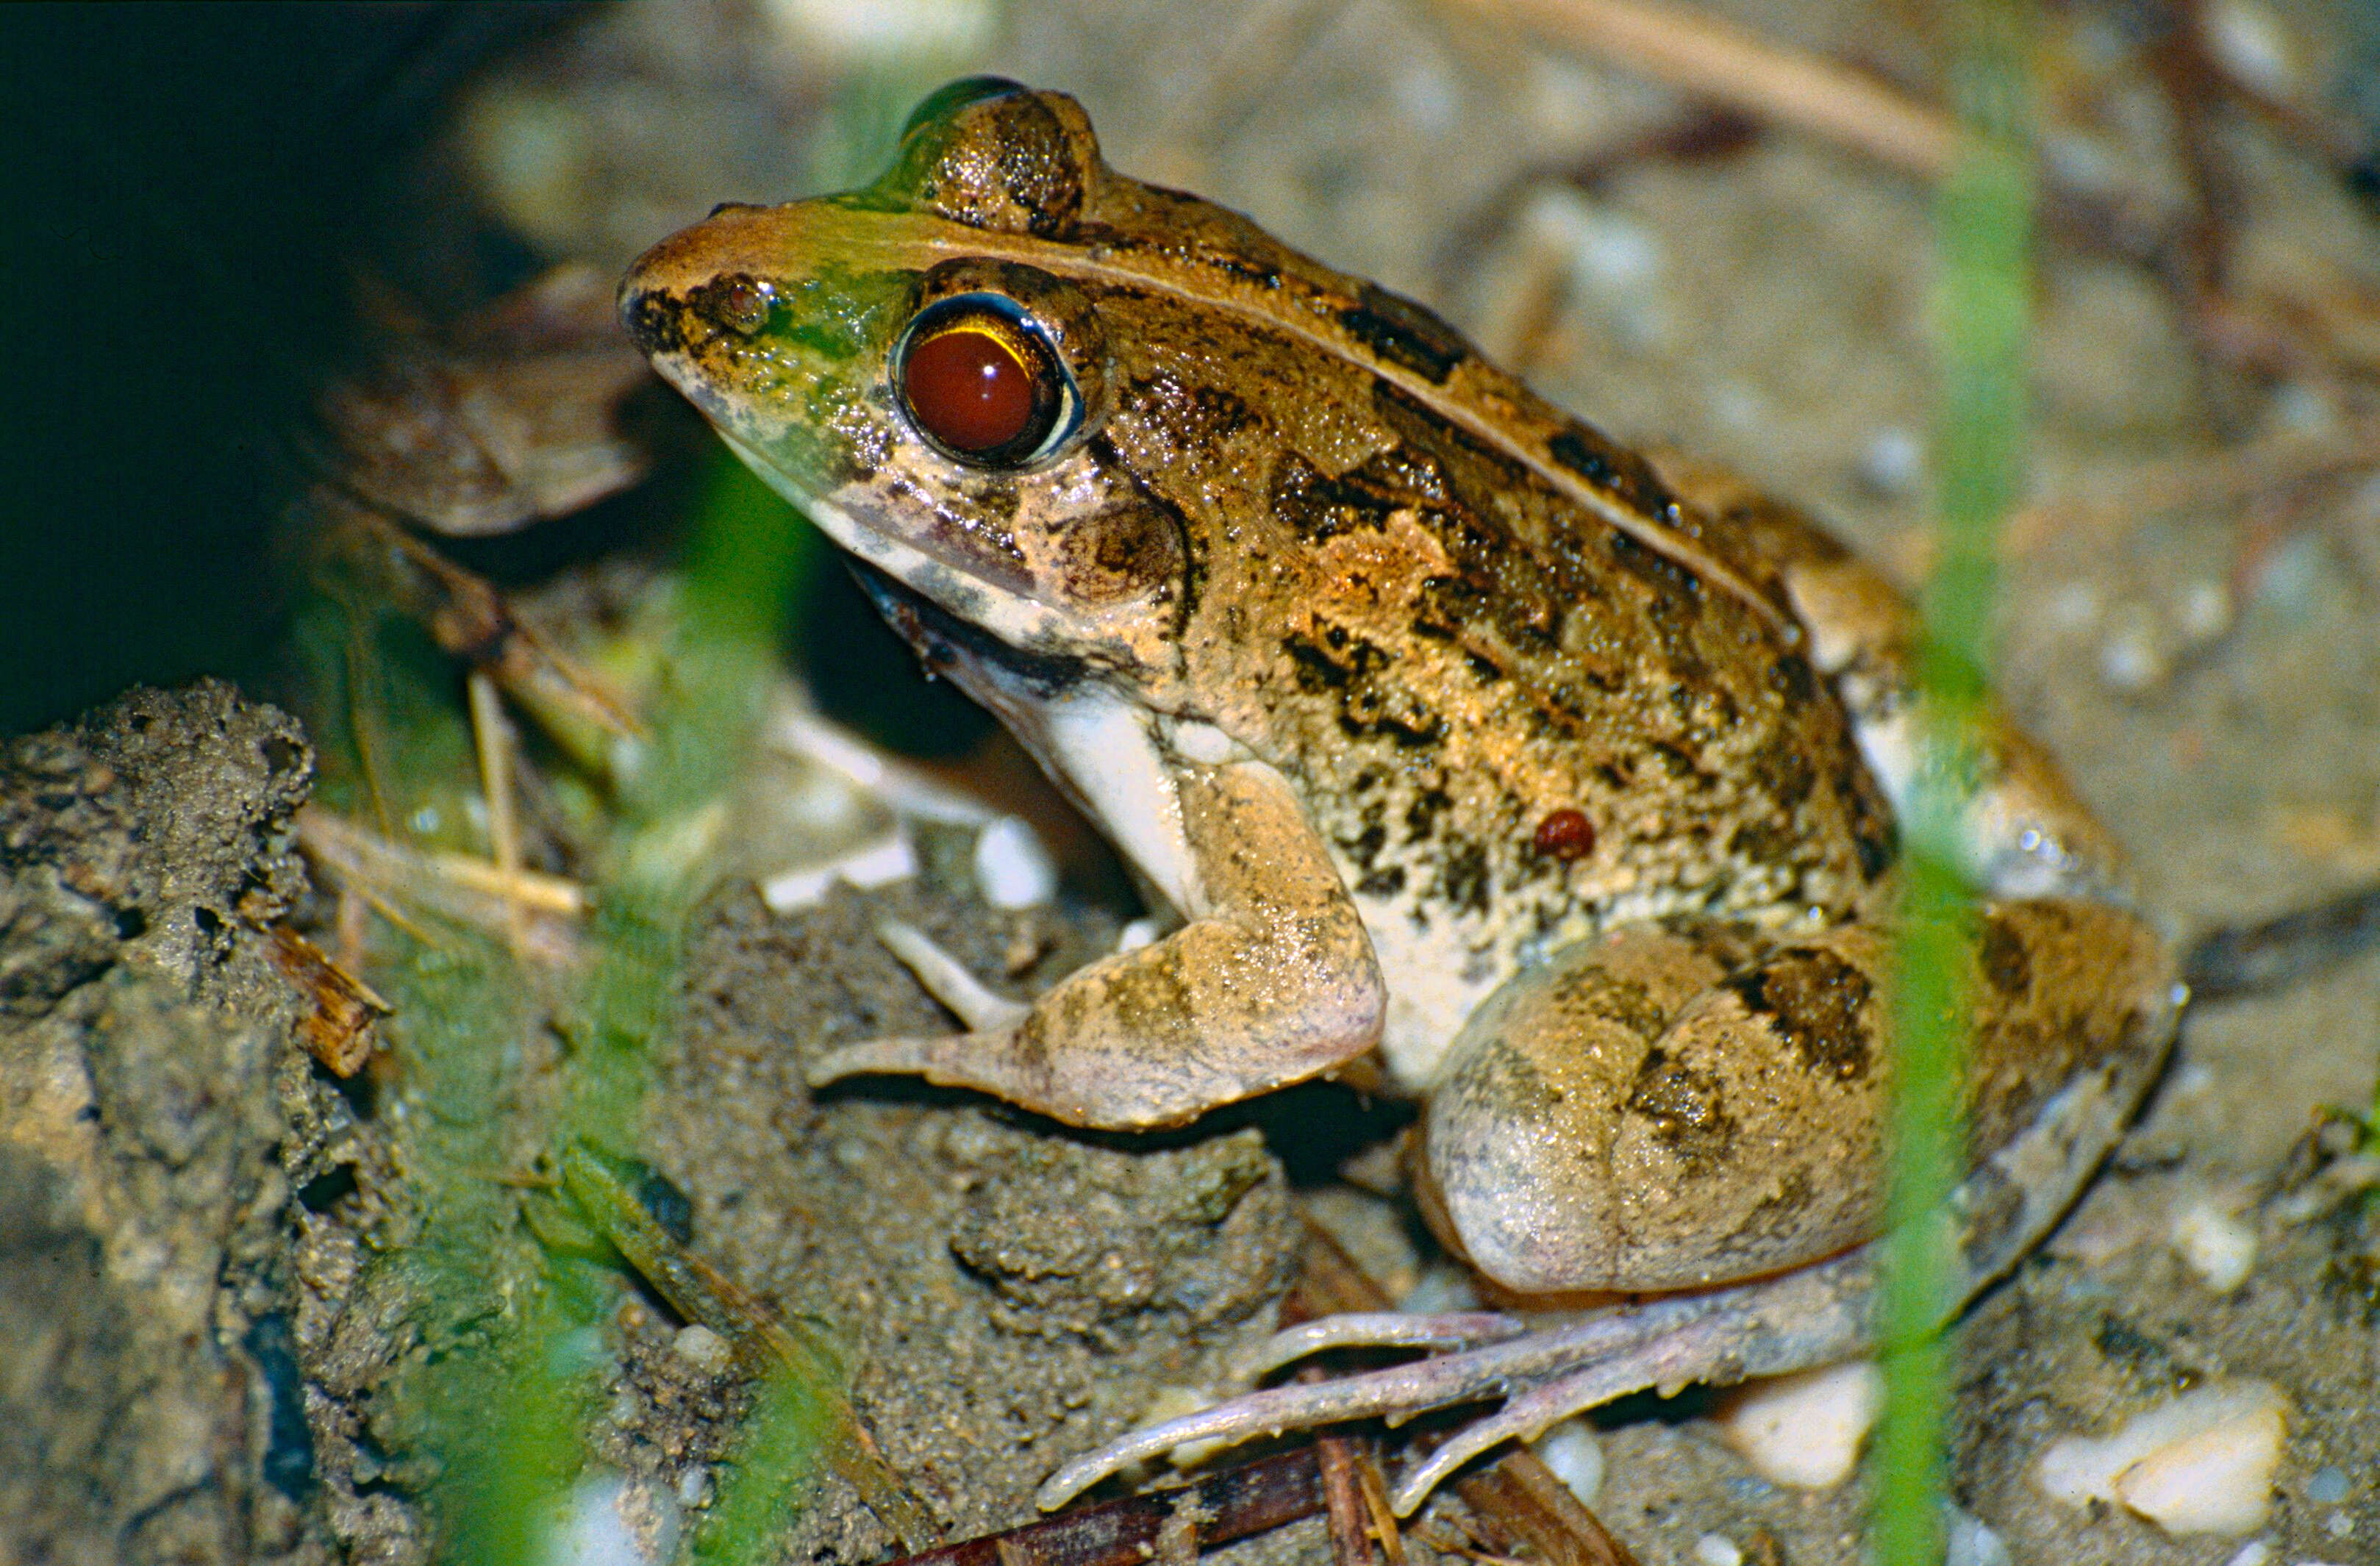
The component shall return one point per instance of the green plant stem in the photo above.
(747, 554)
(1982, 306)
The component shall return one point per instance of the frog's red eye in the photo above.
(981, 382)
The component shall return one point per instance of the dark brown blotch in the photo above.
(1818, 1004)
(651, 319)
(1421, 816)
(1686, 1107)
(1405, 333)
(1613, 468)
(1464, 880)
(1625, 1002)
(2002, 955)
(1131, 548)
(1676, 582)
(1319, 508)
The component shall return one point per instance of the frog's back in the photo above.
(1525, 687)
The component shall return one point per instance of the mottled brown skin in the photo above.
(1444, 724)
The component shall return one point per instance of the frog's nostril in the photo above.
(650, 319)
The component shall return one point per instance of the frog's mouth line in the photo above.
(947, 644)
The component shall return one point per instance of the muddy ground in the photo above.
(203, 1323)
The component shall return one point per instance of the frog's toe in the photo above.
(947, 979)
(1010, 1064)
(883, 1057)
(1815, 1317)
(1381, 1330)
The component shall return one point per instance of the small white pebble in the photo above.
(701, 1347)
(2203, 610)
(2294, 573)
(1892, 461)
(879, 862)
(2214, 1244)
(1971, 1542)
(890, 859)
(797, 890)
(1607, 249)
(2339, 1524)
(593, 1530)
(2218, 1482)
(1570, 1449)
(2255, 1553)
(1717, 1549)
(1737, 404)
(1136, 935)
(2201, 1462)
(2249, 40)
(1805, 1429)
(2073, 606)
(693, 1487)
(1012, 869)
(2328, 1486)
(2130, 657)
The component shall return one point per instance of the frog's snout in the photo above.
(648, 317)
(646, 309)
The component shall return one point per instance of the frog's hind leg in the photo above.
(1671, 1110)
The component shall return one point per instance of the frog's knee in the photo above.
(1520, 1136)
(1517, 1167)
(1577, 1140)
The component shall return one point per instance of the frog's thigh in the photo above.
(1596, 1131)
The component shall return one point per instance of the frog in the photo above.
(1464, 750)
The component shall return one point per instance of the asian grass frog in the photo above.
(1446, 727)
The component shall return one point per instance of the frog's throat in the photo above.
(1015, 619)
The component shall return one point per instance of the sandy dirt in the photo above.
(197, 1224)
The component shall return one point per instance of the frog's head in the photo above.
(891, 360)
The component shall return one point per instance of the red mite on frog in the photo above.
(1442, 727)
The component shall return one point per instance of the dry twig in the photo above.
(390, 876)
(337, 1031)
(469, 618)
(1226, 1506)
(1730, 66)
(2223, 478)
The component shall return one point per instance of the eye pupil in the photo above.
(971, 390)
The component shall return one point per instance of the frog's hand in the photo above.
(1271, 981)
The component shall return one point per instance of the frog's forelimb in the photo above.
(1814, 1317)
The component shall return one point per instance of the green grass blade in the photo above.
(1984, 219)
